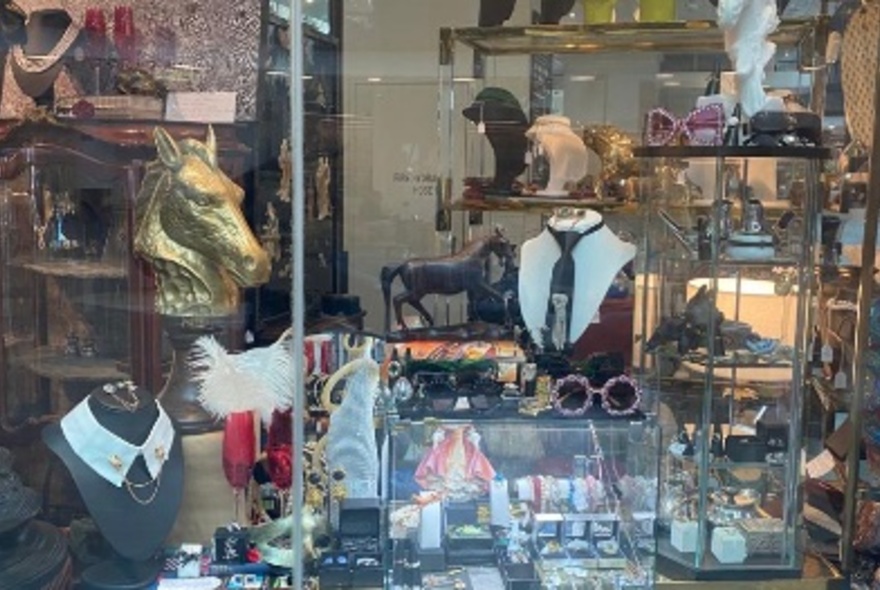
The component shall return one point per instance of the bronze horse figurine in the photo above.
(464, 271)
(190, 228)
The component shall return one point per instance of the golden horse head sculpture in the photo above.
(190, 228)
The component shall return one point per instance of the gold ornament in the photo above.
(615, 151)
(190, 228)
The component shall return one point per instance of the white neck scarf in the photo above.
(110, 456)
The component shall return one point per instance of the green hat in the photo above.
(499, 96)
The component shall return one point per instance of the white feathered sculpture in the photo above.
(747, 24)
(351, 438)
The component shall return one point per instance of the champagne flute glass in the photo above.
(239, 453)
(95, 27)
(124, 33)
(279, 455)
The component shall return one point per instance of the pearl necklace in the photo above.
(37, 64)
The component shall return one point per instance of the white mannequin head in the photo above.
(566, 152)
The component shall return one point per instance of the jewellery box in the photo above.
(518, 576)
(230, 545)
(360, 522)
(746, 449)
(334, 570)
(468, 541)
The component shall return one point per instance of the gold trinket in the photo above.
(116, 462)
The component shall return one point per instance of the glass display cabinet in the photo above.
(726, 282)
(552, 503)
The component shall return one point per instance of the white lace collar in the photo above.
(110, 456)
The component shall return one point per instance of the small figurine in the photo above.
(691, 329)
(717, 447)
(71, 345)
(285, 163)
(270, 236)
(464, 271)
(89, 348)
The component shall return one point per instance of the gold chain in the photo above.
(132, 404)
(131, 487)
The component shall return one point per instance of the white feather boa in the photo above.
(747, 24)
(257, 380)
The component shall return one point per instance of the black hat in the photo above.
(18, 504)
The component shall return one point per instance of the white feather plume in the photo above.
(257, 380)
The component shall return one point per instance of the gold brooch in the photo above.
(116, 462)
(160, 453)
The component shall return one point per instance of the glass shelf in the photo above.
(700, 151)
(78, 269)
(752, 374)
(534, 204)
(50, 363)
(700, 36)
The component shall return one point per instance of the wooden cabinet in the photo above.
(77, 305)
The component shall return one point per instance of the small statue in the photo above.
(615, 151)
(89, 348)
(71, 344)
(270, 236)
(322, 189)
(190, 228)
(464, 271)
(690, 330)
(285, 164)
(747, 24)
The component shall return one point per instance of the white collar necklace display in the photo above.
(598, 257)
(107, 454)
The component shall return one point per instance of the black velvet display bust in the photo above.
(136, 531)
(552, 11)
(506, 125)
(493, 13)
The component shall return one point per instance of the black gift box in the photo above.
(746, 449)
(774, 435)
(459, 513)
(367, 572)
(432, 560)
(360, 525)
(519, 576)
(230, 545)
(360, 517)
(334, 570)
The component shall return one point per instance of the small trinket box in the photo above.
(230, 544)
(189, 560)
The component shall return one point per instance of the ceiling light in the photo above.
(583, 78)
(664, 75)
(672, 83)
(374, 79)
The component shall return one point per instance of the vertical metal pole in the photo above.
(866, 284)
(297, 303)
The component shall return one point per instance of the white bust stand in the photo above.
(598, 258)
(565, 152)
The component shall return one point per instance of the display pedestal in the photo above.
(121, 575)
(180, 395)
(208, 501)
